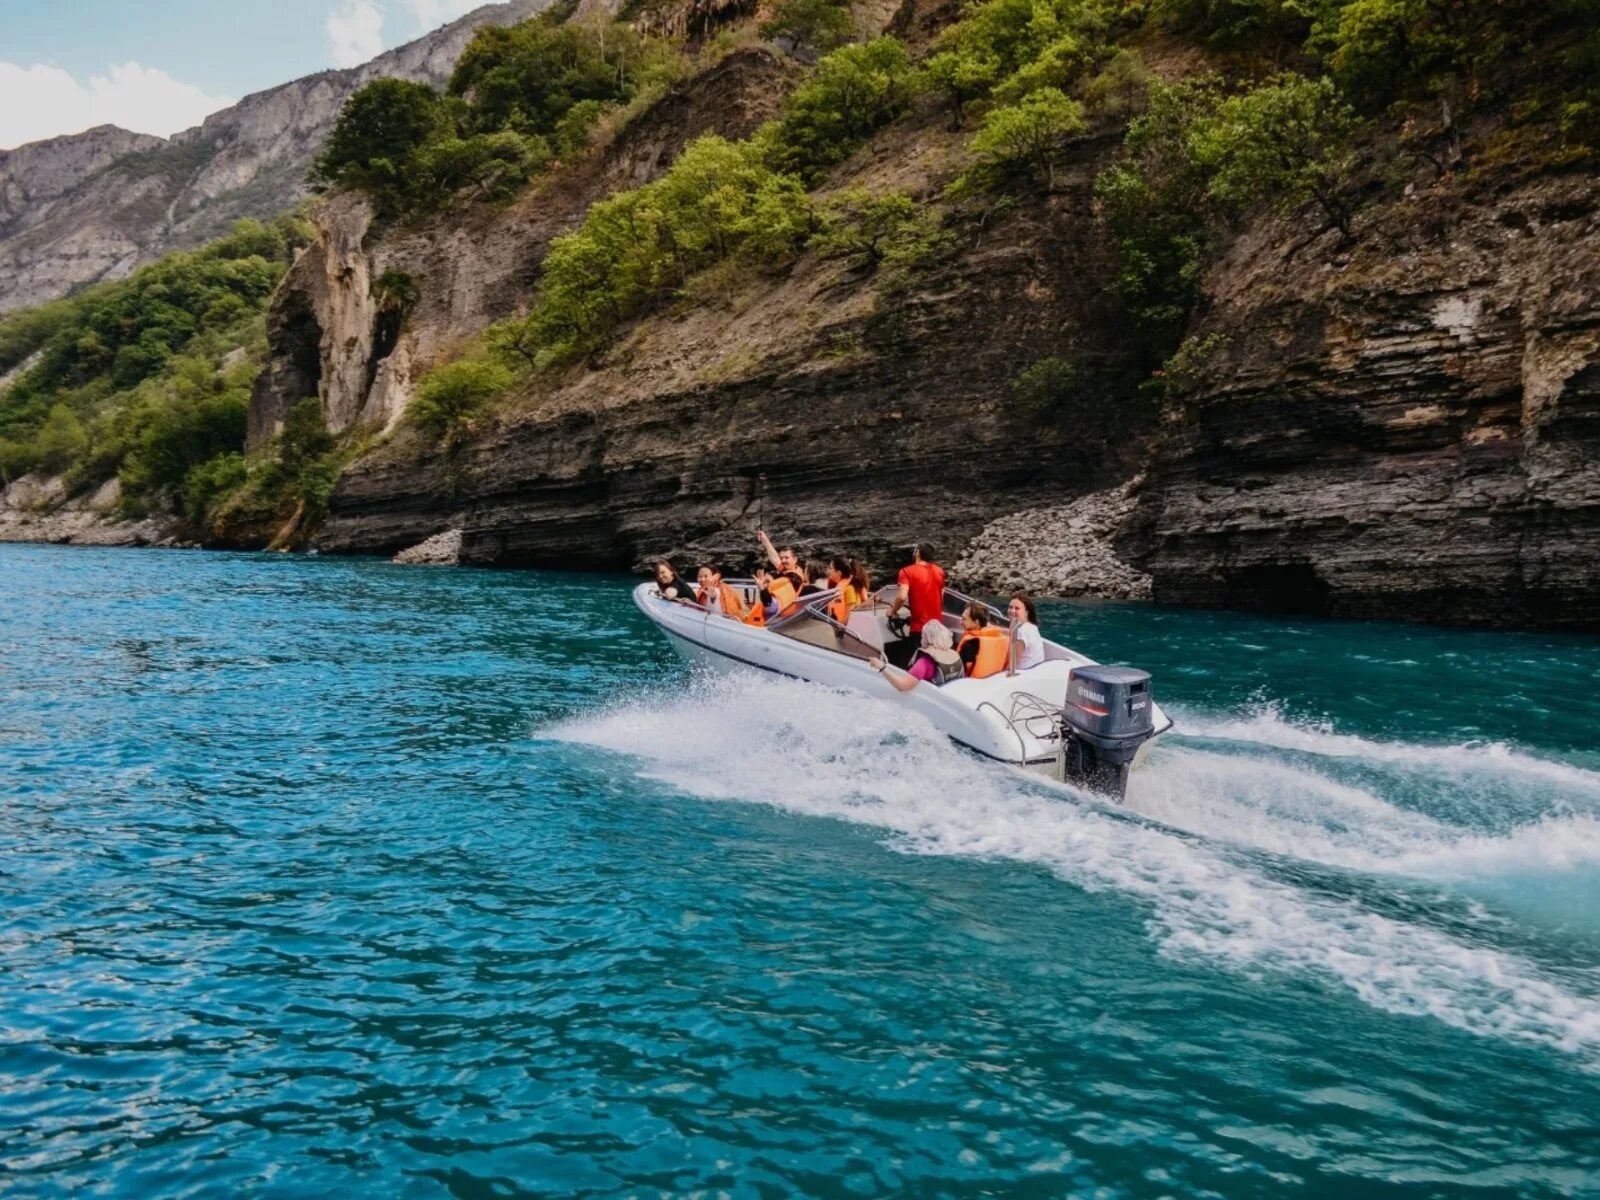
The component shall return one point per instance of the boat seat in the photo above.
(867, 625)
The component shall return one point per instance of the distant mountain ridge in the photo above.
(94, 205)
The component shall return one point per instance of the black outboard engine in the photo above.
(1108, 716)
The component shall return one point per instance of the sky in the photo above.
(159, 66)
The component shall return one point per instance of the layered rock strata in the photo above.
(1410, 430)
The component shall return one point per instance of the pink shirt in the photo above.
(922, 668)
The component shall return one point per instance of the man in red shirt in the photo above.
(922, 591)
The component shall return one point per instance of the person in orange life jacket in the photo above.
(936, 662)
(840, 571)
(784, 561)
(671, 585)
(716, 596)
(982, 646)
(778, 592)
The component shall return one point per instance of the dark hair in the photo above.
(709, 566)
(816, 569)
(925, 551)
(978, 612)
(859, 576)
(840, 564)
(661, 562)
(1027, 606)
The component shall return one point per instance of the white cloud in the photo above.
(430, 14)
(355, 32)
(41, 101)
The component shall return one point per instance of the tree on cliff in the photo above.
(378, 130)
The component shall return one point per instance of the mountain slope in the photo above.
(92, 206)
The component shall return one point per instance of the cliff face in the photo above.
(1407, 426)
(92, 206)
(469, 269)
(876, 416)
(1410, 430)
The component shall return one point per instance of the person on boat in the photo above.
(982, 646)
(816, 578)
(921, 589)
(670, 584)
(784, 561)
(841, 573)
(860, 580)
(778, 592)
(716, 596)
(936, 662)
(1027, 647)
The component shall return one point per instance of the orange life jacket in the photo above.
(728, 598)
(757, 614)
(847, 599)
(992, 643)
(783, 591)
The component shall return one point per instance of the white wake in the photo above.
(871, 762)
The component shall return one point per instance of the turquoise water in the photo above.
(327, 875)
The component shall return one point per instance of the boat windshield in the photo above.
(811, 623)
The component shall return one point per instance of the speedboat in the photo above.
(1069, 716)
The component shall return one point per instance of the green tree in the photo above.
(61, 440)
(1025, 138)
(819, 25)
(1156, 204)
(851, 94)
(381, 126)
(871, 229)
(452, 394)
(1285, 141)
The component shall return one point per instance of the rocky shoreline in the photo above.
(1068, 550)
(35, 508)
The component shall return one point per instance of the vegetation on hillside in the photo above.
(135, 379)
(148, 378)
(520, 98)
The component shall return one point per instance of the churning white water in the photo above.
(1250, 842)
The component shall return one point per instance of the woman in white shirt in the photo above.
(1030, 642)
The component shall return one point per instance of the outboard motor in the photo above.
(1108, 716)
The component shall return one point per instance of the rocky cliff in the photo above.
(1410, 428)
(1404, 425)
(92, 206)
(875, 415)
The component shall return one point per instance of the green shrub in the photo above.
(526, 77)
(452, 394)
(1261, 25)
(718, 200)
(519, 95)
(1023, 139)
(820, 25)
(1046, 385)
(871, 229)
(852, 93)
(208, 482)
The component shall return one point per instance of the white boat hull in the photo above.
(988, 716)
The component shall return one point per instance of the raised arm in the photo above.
(772, 552)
